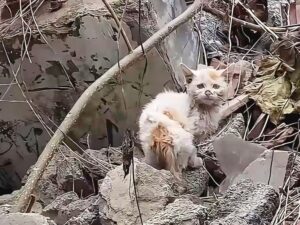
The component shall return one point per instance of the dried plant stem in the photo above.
(114, 16)
(86, 97)
(252, 26)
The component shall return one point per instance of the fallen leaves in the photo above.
(274, 88)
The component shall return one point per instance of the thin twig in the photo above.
(252, 26)
(114, 16)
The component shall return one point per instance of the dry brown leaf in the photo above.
(273, 88)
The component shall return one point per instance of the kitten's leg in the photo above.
(184, 147)
(150, 157)
(194, 160)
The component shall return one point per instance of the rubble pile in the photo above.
(251, 171)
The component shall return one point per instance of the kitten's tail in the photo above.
(162, 146)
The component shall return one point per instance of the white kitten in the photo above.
(169, 123)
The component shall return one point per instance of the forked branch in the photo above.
(84, 99)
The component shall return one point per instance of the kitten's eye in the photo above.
(216, 86)
(200, 86)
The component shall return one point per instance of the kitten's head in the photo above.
(206, 86)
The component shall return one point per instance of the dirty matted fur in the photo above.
(171, 121)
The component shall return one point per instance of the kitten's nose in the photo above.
(208, 93)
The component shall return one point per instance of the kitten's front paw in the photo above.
(197, 162)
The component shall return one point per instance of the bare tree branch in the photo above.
(252, 26)
(85, 98)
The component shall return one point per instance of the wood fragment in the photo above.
(234, 105)
(86, 97)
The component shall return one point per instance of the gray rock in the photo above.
(245, 203)
(24, 219)
(74, 209)
(259, 170)
(70, 177)
(234, 155)
(9, 198)
(53, 208)
(47, 191)
(5, 209)
(180, 212)
(233, 126)
(67, 206)
(155, 188)
(90, 216)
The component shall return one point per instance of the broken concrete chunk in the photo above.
(259, 170)
(24, 219)
(47, 191)
(235, 127)
(74, 209)
(70, 177)
(52, 209)
(180, 212)
(155, 188)
(67, 206)
(234, 155)
(196, 181)
(90, 216)
(245, 203)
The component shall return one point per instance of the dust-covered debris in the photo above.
(155, 188)
(53, 208)
(180, 212)
(196, 180)
(262, 171)
(246, 203)
(25, 218)
(234, 155)
(70, 177)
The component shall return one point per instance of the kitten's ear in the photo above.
(187, 72)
